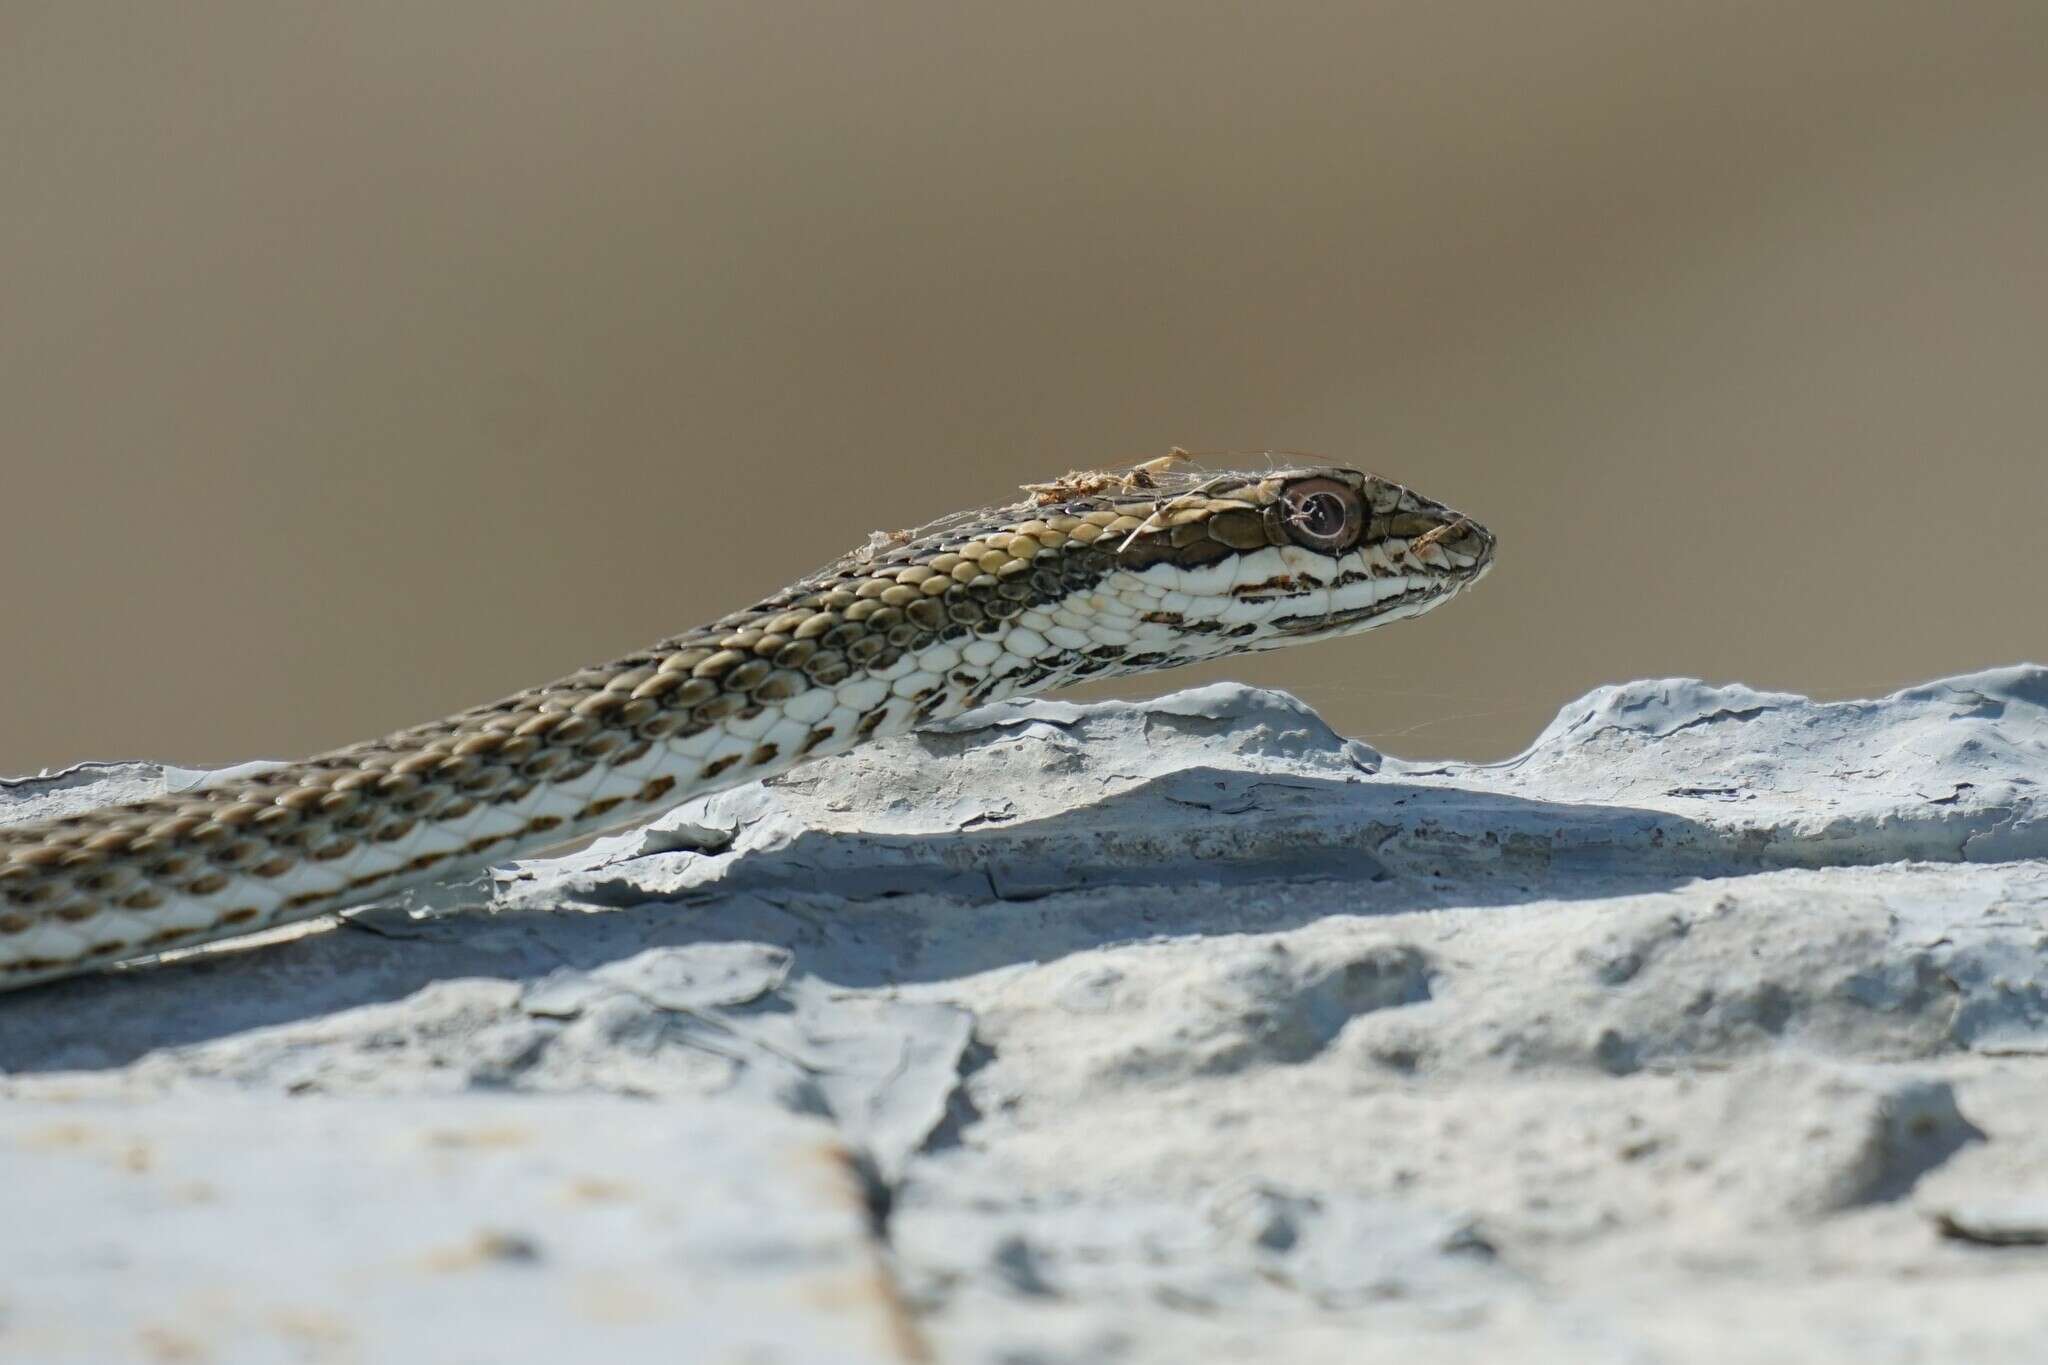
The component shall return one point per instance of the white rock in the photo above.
(1712, 1027)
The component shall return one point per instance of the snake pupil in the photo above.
(1322, 515)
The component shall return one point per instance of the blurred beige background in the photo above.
(362, 361)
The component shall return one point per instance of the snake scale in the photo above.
(1092, 575)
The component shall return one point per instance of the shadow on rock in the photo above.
(1199, 850)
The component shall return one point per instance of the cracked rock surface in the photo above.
(1713, 1027)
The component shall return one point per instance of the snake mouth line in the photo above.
(1315, 625)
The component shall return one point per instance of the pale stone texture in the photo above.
(1713, 1027)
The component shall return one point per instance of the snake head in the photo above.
(1248, 560)
(1100, 574)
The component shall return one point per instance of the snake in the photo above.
(1096, 574)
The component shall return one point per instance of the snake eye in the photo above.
(1324, 514)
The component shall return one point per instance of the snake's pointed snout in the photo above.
(1464, 542)
(1467, 538)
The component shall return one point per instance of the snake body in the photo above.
(1092, 575)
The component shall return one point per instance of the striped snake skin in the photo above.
(1093, 575)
